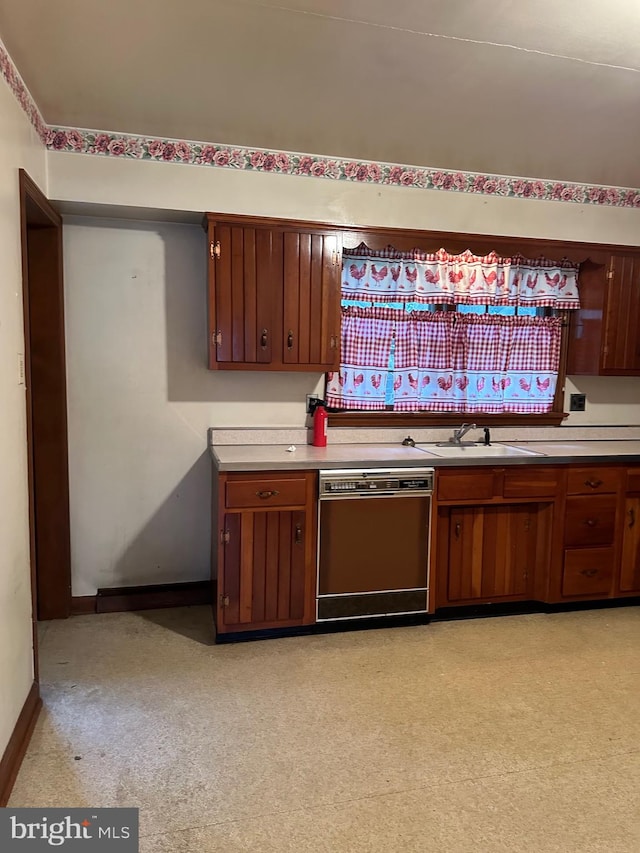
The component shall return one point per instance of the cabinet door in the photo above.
(244, 293)
(266, 571)
(492, 552)
(630, 572)
(621, 351)
(311, 328)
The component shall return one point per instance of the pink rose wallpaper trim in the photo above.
(334, 168)
(279, 162)
(22, 95)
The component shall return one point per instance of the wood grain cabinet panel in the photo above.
(529, 482)
(604, 334)
(274, 296)
(471, 484)
(312, 271)
(621, 350)
(633, 481)
(264, 569)
(630, 568)
(590, 521)
(265, 542)
(242, 268)
(491, 553)
(262, 494)
(588, 571)
(593, 481)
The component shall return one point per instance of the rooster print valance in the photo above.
(465, 279)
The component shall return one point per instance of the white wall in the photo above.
(141, 400)
(19, 147)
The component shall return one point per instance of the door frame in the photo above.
(46, 405)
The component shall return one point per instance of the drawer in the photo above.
(590, 521)
(530, 483)
(593, 481)
(265, 493)
(633, 480)
(588, 572)
(468, 485)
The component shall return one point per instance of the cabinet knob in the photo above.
(632, 517)
(290, 340)
(265, 494)
(589, 573)
(457, 530)
(593, 484)
(264, 338)
(298, 535)
(591, 522)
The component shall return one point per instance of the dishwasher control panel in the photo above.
(353, 483)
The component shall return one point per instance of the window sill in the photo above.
(426, 419)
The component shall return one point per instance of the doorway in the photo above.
(46, 401)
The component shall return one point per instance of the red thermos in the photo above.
(320, 418)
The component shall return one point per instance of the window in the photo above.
(450, 333)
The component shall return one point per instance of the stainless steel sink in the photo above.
(462, 451)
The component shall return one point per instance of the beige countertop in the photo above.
(277, 457)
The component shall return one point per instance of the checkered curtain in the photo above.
(478, 363)
(446, 362)
(367, 335)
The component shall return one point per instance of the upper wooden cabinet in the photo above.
(604, 334)
(274, 295)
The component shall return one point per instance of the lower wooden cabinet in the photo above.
(494, 534)
(266, 551)
(492, 552)
(591, 534)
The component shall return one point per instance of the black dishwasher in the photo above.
(373, 543)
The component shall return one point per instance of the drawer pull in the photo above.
(589, 573)
(632, 517)
(593, 484)
(265, 494)
(290, 340)
(591, 522)
(264, 337)
(298, 535)
(458, 528)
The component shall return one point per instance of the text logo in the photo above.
(37, 830)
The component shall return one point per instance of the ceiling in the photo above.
(535, 88)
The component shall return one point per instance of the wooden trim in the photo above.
(83, 604)
(18, 743)
(380, 236)
(46, 404)
(124, 598)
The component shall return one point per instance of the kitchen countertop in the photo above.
(276, 457)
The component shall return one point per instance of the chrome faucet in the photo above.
(458, 434)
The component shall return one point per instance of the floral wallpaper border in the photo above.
(22, 94)
(284, 163)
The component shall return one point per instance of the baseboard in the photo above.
(83, 604)
(18, 743)
(150, 597)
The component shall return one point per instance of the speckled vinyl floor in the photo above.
(505, 734)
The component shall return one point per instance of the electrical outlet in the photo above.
(312, 402)
(577, 402)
